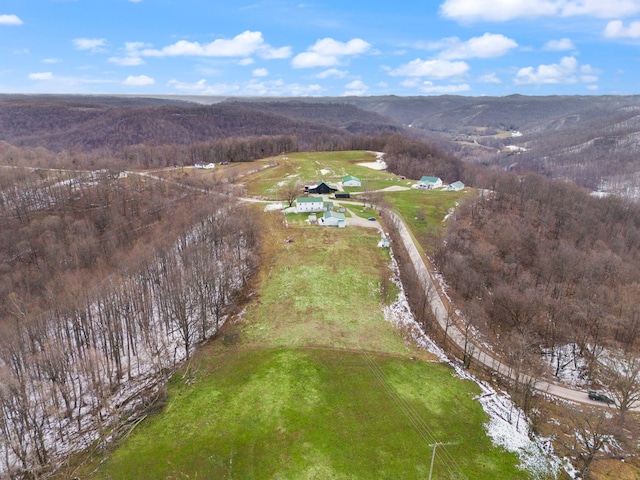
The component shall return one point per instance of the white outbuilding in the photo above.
(351, 181)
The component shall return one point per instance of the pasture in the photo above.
(311, 382)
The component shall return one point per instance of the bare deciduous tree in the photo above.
(620, 375)
(591, 431)
(290, 191)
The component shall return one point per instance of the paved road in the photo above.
(456, 336)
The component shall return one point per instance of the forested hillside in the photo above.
(590, 140)
(93, 124)
(106, 284)
(549, 274)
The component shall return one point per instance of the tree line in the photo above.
(108, 283)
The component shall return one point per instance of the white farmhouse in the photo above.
(309, 204)
(429, 182)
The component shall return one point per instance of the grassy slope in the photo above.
(424, 210)
(315, 384)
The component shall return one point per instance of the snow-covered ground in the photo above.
(379, 164)
(270, 207)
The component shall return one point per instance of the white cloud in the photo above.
(588, 74)
(497, 10)
(253, 88)
(331, 73)
(126, 61)
(276, 53)
(616, 29)
(260, 72)
(201, 87)
(505, 10)
(131, 55)
(559, 45)
(244, 44)
(48, 82)
(599, 8)
(40, 76)
(139, 81)
(431, 69)
(328, 52)
(51, 60)
(10, 20)
(489, 78)
(355, 88)
(564, 72)
(489, 45)
(430, 87)
(92, 44)
(313, 59)
(246, 61)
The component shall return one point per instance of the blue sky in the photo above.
(320, 47)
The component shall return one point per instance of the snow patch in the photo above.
(270, 207)
(508, 426)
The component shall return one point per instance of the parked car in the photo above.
(372, 219)
(599, 397)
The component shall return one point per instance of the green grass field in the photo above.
(313, 414)
(424, 210)
(314, 384)
(306, 167)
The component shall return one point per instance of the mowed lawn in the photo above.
(311, 382)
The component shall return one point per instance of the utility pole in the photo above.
(433, 455)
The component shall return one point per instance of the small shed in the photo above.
(333, 219)
(429, 182)
(456, 186)
(351, 181)
(343, 195)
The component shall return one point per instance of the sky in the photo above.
(320, 47)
